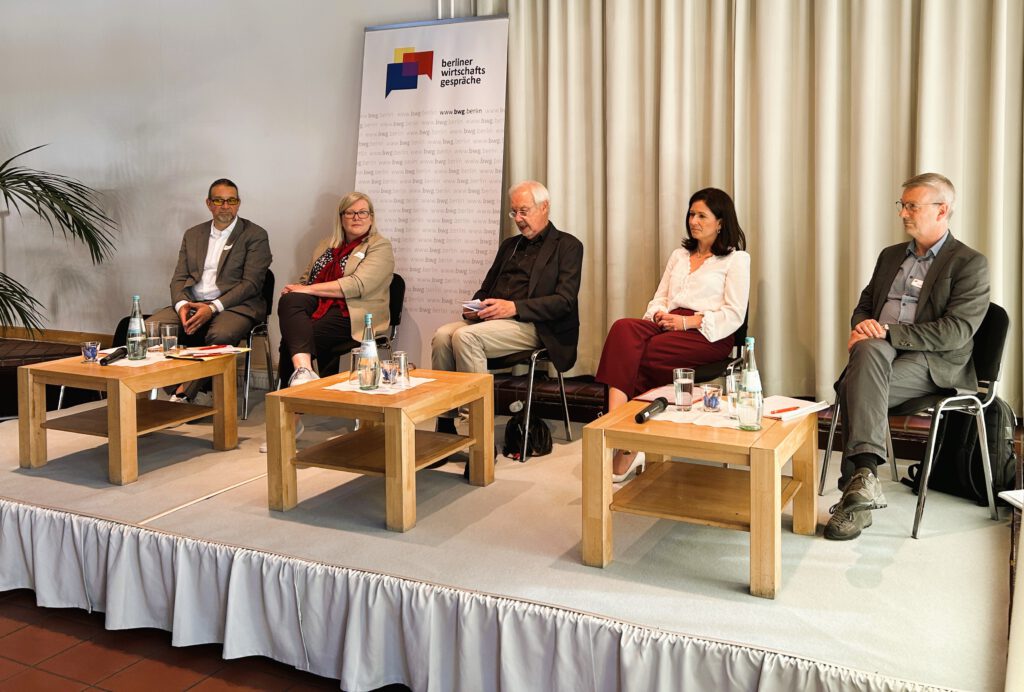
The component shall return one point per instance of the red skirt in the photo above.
(638, 355)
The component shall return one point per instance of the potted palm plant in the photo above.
(66, 205)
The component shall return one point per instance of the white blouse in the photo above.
(719, 290)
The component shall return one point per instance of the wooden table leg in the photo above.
(225, 405)
(399, 470)
(282, 480)
(31, 416)
(597, 496)
(765, 523)
(481, 429)
(122, 434)
(805, 502)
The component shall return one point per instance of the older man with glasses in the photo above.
(217, 286)
(912, 335)
(527, 299)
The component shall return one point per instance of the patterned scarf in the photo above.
(333, 269)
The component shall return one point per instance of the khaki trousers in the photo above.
(465, 346)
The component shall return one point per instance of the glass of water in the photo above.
(353, 368)
(732, 393)
(169, 336)
(682, 378)
(153, 340)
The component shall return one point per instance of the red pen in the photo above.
(783, 410)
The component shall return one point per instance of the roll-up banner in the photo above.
(431, 141)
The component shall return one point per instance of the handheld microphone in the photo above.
(114, 356)
(655, 407)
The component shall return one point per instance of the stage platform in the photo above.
(488, 591)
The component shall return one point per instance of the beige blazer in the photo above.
(367, 281)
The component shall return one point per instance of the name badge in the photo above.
(917, 283)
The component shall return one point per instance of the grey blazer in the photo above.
(243, 265)
(952, 304)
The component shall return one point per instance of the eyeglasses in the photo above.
(914, 207)
(221, 201)
(361, 214)
(525, 211)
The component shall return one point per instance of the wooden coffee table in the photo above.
(387, 442)
(126, 416)
(732, 498)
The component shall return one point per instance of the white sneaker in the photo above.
(299, 427)
(179, 399)
(302, 376)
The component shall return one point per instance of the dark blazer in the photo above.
(553, 302)
(243, 265)
(951, 306)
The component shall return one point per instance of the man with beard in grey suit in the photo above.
(912, 335)
(217, 286)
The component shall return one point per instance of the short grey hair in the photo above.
(536, 190)
(937, 182)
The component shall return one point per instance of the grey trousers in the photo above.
(223, 328)
(877, 378)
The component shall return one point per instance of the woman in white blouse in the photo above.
(700, 302)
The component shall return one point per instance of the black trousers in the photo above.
(326, 339)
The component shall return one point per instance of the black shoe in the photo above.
(446, 425)
(465, 471)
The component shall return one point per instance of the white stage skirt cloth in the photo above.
(369, 630)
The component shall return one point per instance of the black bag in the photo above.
(540, 436)
(956, 467)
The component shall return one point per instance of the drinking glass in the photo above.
(153, 339)
(682, 378)
(169, 336)
(402, 360)
(712, 397)
(732, 393)
(90, 351)
(389, 372)
(353, 368)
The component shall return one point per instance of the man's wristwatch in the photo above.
(887, 335)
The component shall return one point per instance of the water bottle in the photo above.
(751, 399)
(136, 332)
(369, 361)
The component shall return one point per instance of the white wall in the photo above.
(150, 101)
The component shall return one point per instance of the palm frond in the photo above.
(63, 202)
(18, 306)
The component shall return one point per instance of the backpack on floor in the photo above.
(956, 467)
(540, 436)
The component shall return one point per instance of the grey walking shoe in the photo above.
(845, 524)
(864, 491)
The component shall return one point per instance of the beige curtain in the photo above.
(809, 113)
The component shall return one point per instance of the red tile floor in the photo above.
(57, 649)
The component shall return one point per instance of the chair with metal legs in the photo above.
(531, 357)
(987, 357)
(261, 329)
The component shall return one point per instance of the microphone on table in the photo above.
(115, 355)
(653, 408)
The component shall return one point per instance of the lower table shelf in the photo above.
(694, 493)
(362, 451)
(150, 416)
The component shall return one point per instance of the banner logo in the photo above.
(404, 72)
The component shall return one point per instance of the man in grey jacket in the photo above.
(912, 335)
(217, 286)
